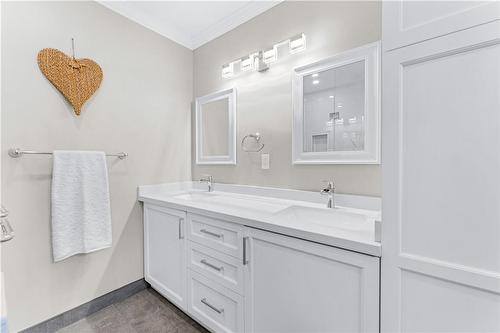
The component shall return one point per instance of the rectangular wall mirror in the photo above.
(336, 106)
(216, 128)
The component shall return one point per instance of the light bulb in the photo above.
(247, 63)
(297, 43)
(228, 70)
(270, 56)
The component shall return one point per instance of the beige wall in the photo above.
(264, 99)
(142, 107)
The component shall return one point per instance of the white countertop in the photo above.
(300, 214)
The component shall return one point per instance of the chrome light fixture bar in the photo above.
(260, 61)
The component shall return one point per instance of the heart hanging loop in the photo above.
(73, 63)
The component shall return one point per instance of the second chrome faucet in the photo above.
(209, 180)
(329, 190)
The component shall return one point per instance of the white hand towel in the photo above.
(81, 214)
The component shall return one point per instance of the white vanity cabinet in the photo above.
(233, 278)
(294, 285)
(215, 273)
(165, 252)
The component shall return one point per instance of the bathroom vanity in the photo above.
(249, 259)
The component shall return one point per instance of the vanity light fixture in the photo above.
(228, 71)
(259, 61)
(247, 63)
(315, 75)
(259, 64)
(297, 43)
(315, 82)
(270, 56)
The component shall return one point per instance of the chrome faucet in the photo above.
(209, 180)
(330, 191)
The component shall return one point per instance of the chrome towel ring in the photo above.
(257, 138)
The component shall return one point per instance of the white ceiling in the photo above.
(190, 23)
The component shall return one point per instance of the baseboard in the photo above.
(71, 316)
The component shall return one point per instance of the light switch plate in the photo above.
(264, 158)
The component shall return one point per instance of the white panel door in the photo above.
(441, 184)
(409, 22)
(299, 286)
(165, 252)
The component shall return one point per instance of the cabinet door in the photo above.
(409, 22)
(165, 252)
(299, 286)
(441, 184)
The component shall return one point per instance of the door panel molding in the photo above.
(396, 34)
(367, 267)
(397, 256)
(178, 297)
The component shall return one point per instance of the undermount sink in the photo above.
(244, 203)
(253, 204)
(195, 196)
(339, 219)
(343, 222)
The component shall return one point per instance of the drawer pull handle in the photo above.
(206, 263)
(205, 231)
(219, 311)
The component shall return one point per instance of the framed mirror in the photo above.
(336, 109)
(216, 128)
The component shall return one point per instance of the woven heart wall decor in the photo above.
(76, 79)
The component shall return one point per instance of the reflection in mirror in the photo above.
(216, 128)
(215, 125)
(334, 109)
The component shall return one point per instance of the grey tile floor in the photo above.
(146, 311)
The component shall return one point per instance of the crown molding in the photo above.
(138, 16)
(242, 15)
(134, 13)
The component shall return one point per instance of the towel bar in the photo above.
(16, 152)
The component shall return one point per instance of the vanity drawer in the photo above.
(214, 306)
(219, 267)
(216, 234)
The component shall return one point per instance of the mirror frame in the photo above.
(370, 54)
(230, 94)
